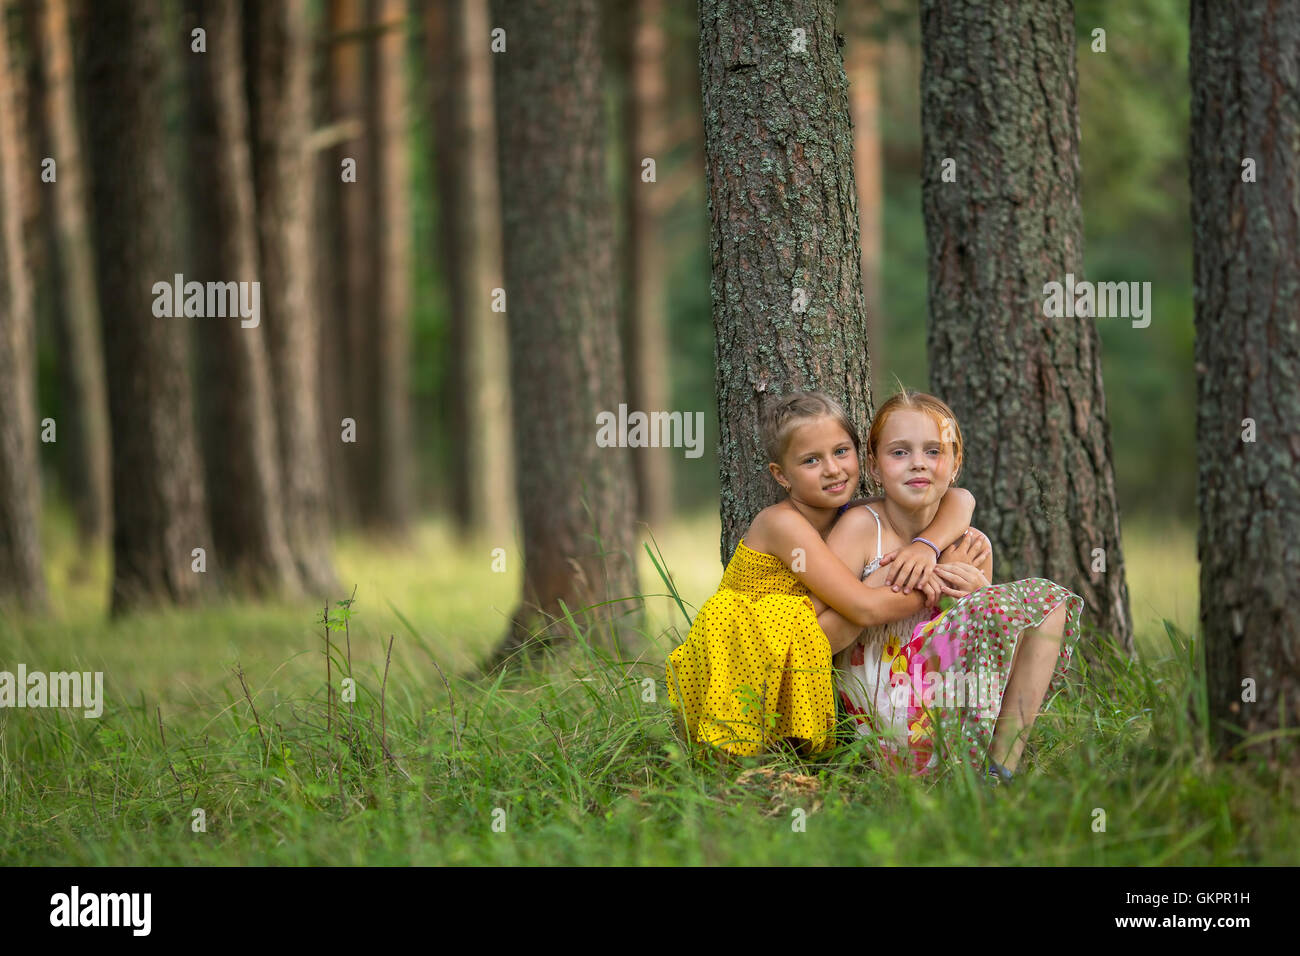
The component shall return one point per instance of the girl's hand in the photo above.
(960, 579)
(932, 588)
(971, 548)
(911, 565)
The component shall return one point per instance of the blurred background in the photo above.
(394, 264)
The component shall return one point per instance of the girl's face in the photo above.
(911, 463)
(821, 465)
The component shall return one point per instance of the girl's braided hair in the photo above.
(781, 416)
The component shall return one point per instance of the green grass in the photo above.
(579, 766)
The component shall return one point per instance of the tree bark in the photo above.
(327, 276)
(646, 334)
(245, 502)
(1244, 63)
(386, 504)
(158, 500)
(575, 497)
(83, 425)
(482, 466)
(22, 576)
(345, 263)
(862, 63)
(999, 98)
(784, 232)
(445, 75)
(351, 340)
(283, 170)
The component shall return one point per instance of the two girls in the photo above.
(756, 670)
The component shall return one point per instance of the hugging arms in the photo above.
(831, 569)
(964, 566)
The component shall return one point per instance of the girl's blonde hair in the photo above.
(783, 415)
(936, 408)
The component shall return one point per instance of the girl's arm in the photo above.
(914, 562)
(848, 540)
(821, 571)
(840, 631)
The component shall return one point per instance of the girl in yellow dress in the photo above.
(755, 669)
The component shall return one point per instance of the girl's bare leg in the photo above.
(1031, 672)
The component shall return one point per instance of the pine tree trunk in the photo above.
(22, 577)
(862, 63)
(328, 273)
(345, 265)
(575, 497)
(83, 425)
(387, 503)
(482, 465)
(158, 500)
(284, 164)
(786, 261)
(240, 451)
(351, 46)
(1244, 64)
(446, 75)
(999, 98)
(649, 385)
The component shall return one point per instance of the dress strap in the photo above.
(875, 563)
(879, 553)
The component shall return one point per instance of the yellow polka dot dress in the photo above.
(756, 666)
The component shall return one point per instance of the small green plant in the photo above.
(752, 702)
(339, 622)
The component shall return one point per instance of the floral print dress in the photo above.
(930, 687)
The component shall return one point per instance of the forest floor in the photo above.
(571, 764)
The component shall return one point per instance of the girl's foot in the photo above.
(996, 774)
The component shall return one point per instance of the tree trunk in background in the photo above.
(483, 479)
(1026, 389)
(283, 166)
(786, 261)
(346, 264)
(354, 260)
(445, 75)
(26, 87)
(240, 452)
(326, 274)
(386, 505)
(158, 502)
(646, 336)
(83, 424)
(575, 497)
(1244, 62)
(22, 576)
(862, 63)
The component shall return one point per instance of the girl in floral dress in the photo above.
(932, 687)
(755, 669)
